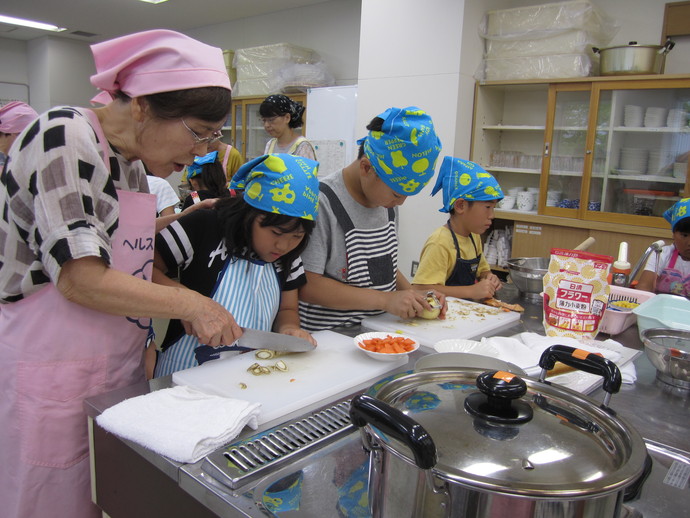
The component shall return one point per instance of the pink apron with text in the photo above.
(54, 354)
(671, 280)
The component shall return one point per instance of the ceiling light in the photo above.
(30, 23)
(153, 1)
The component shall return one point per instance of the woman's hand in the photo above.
(212, 324)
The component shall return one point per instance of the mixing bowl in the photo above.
(669, 351)
(527, 273)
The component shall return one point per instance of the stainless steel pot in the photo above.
(518, 447)
(633, 58)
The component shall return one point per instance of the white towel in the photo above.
(180, 423)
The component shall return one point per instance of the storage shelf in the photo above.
(632, 129)
(496, 169)
(516, 127)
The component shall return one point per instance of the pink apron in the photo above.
(671, 280)
(54, 354)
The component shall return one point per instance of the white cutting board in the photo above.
(464, 319)
(334, 366)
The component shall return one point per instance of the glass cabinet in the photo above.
(609, 149)
(247, 130)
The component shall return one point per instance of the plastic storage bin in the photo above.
(666, 311)
(615, 322)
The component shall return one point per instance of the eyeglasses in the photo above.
(268, 120)
(215, 136)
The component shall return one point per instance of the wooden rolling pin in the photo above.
(585, 244)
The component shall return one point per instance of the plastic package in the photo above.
(576, 293)
(271, 68)
(615, 322)
(544, 41)
(539, 21)
(530, 67)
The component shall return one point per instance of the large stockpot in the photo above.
(633, 58)
(517, 447)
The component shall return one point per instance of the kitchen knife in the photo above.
(254, 339)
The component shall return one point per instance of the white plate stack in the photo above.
(658, 161)
(655, 117)
(632, 115)
(676, 118)
(633, 160)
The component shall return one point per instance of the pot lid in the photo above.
(547, 442)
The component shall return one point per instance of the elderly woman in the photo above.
(76, 254)
(14, 117)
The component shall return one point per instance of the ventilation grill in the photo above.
(84, 34)
(246, 460)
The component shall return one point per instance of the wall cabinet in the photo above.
(247, 130)
(611, 150)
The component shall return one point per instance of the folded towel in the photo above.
(525, 349)
(180, 423)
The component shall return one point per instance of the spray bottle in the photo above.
(620, 272)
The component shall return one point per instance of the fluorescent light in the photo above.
(153, 1)
(30, 23)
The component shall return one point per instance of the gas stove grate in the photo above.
(248, 459)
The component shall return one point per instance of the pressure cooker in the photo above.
(633, 58)
(472, 443)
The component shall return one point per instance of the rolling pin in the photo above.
(585, 244)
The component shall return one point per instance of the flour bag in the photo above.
(576, 293)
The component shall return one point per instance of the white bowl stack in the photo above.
(633, 115)
(655, 117)
(633, 160)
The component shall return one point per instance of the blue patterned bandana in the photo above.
(196, 168)
(280, 183)
(678, 211)
(464, 179)
(404, 153)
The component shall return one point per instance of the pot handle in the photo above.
(668, 46)
(596, 50)
(368, 410)
(585, 361)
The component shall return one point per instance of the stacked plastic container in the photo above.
(615, 322)
(268, 69)
(544, 41)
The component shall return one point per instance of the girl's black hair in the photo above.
(237, 218)
(279, 105)
(213, 179)
(211, 103)
(683, 226)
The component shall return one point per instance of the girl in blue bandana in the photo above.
(452, 261)
(207, 179)
(674, 260)
(244, 253)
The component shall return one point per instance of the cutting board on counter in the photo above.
(333, 367)
(464, 319)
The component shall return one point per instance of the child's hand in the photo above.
(495, 281)
(406, 303)
(300, 333)
(484, 289)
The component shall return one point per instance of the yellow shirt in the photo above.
(438, 256)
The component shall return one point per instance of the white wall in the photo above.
(330, 28)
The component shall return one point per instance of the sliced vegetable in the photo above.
(389, 344)
(281, 366)
(264, 354)
(243, 386)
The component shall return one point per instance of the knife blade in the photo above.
(255, 339)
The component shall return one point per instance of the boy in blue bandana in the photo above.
(451, 260)
(674, 260)
(351, 259)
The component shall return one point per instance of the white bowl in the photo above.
(507, 203)
(385, 357)
(461, 345)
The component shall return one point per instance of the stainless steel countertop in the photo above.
(657, 411)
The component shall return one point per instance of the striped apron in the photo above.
(372, 262)
(250, 290)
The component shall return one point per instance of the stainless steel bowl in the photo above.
(669, 351)
(527, 273)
